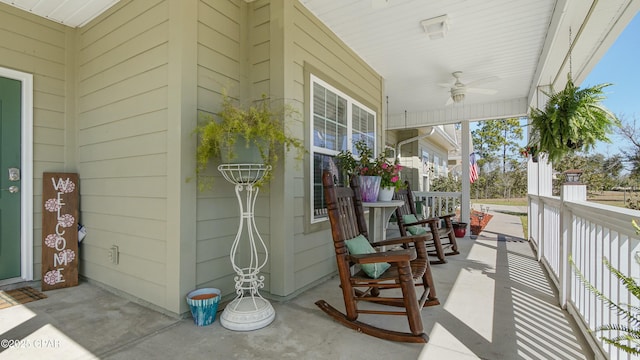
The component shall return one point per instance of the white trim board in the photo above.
(26, 156)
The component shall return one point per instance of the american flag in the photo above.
(473, 168)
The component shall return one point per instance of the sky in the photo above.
(619, 66)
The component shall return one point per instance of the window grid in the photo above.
(338, 121)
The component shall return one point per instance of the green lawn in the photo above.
(513, 201)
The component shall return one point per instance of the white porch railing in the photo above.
(433, 204)
(587, 232)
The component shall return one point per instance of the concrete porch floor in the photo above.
(496, 303)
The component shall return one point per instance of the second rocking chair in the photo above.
(439, 230)
(381, 272)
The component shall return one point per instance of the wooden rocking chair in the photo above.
(409, 222)
(407, 270)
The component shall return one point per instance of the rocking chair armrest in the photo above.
(447, 216)
(385, 256)
(423, 221)
(400, 240)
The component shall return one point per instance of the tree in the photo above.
(630, 131)
(497, 139)
(598, 173)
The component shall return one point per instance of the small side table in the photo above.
(249, 310)
(379, 215)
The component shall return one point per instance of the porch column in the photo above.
(465, 204)
(539, 183)
(570, 191)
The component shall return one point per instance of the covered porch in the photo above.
(496, 303)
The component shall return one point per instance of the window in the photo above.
(338, 121)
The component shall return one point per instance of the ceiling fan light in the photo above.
(457, 97)
(437, 27)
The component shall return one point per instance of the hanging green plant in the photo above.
(573, 119)
(256, 126)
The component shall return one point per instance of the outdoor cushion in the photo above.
(414, 229)
(360, 245)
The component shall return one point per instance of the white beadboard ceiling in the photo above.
(73, 13)
(519, 45)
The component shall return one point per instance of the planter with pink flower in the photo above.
(378, 177)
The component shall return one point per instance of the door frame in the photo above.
(26, 171)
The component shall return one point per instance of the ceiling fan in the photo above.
(459, 90)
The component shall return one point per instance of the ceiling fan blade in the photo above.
(483, 81)
(482, 91)
(449, 101)
(445, 85)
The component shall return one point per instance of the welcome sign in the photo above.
(59, 230)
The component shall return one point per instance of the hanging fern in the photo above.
(573, 119)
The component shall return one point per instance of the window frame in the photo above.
(313, 149)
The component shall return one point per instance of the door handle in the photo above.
(12, 189)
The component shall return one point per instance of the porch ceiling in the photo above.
(521, 45)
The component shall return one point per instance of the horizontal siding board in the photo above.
(150, 59)
(214, 269)
(209, 98)
(133, 127)
(154, 143)
(98, 270)
(48, 119)
(149, 19)
(40, 167)
(216, 228)
(141, 187)
(34, 47)
(212, 39)
(217, 62)
(31, 26)
(144, 248)
(47, 101)
(47, 84)
(120, 54)
(48, 136)
(313, 256)
(17, 59)
(46, 152)
(311, 274)
(125, 12)
(148, 102)
(211, 249)
(222, 16)
(140, 208)
(141, 166)
(117, 223)
(226, 283)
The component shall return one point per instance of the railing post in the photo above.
(570, 191)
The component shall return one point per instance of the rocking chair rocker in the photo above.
(408, 221)
(407, 269)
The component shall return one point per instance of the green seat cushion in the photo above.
(414, 229)
(360, 245)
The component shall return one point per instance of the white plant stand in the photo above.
(249, 310)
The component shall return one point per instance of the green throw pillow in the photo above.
(414, 229)
(360, 245)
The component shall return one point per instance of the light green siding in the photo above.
(122, 87)
(220, 68)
